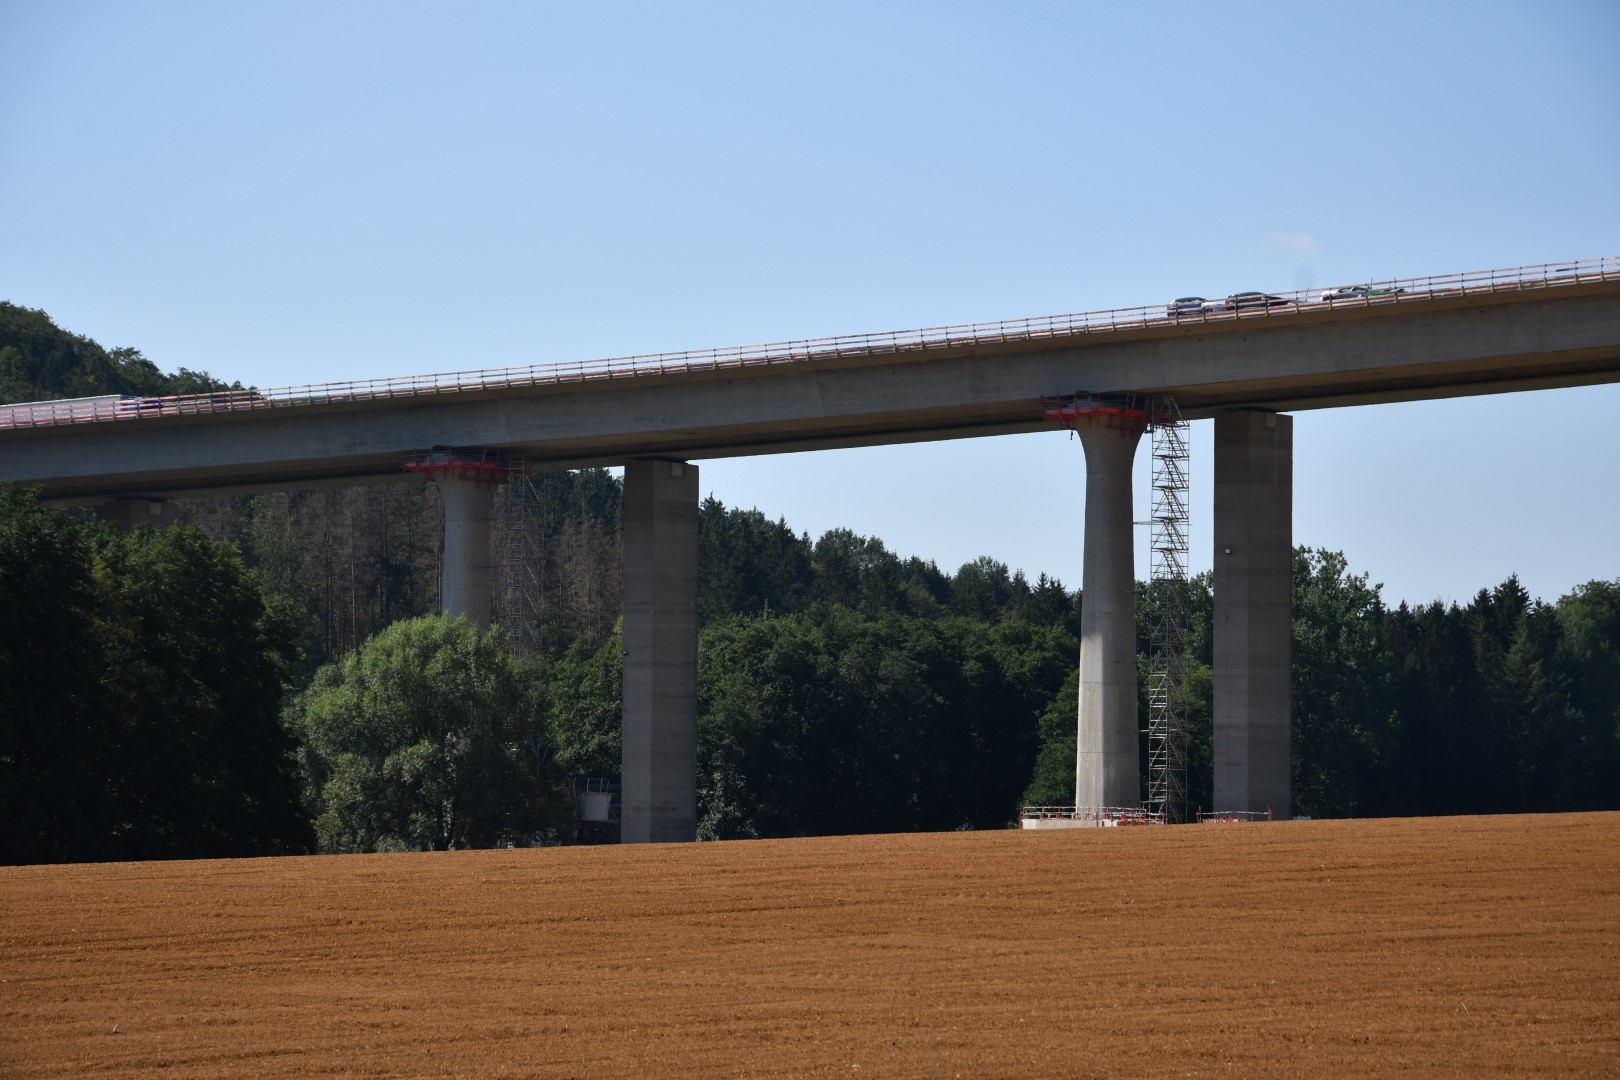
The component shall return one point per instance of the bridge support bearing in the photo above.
(1254, 505)
(659, 781)
(1107, 753)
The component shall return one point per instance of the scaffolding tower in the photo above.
(521, 561)
(1168, 540)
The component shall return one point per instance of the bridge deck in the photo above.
(1529, 328)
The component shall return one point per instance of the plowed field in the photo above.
(1441, 947)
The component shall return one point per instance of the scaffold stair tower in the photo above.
(1169, 543)
(1167, 582)
(521, 561)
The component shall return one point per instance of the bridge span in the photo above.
(1246, 365)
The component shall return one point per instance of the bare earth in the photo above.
(1441, 947)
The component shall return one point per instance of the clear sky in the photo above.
(289, 192)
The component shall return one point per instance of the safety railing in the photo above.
(1095, 815)
(1240, 306)
(1230, 817)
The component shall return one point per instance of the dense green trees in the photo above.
(832, 721)
(350, 562)
(854, 690)
(748, 565)
(57, 734)
(843, 687)
(40, 361)
(425, 739)
(583, 704)
(1052, 775)
(1506, 705)
(1501, 706)
(141, 676)
(1344, 723)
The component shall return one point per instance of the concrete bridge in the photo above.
(1529, 328)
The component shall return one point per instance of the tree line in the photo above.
(39, 361)
(141, 680)
(272, 677)
(1505, 704)
(155, 702)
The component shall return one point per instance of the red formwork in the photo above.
(479, 466)
(1125, 413)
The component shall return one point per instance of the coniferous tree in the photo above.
(141, 676)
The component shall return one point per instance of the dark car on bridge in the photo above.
(1246, 301)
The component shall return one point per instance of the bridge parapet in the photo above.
(1289, 304)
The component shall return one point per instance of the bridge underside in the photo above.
(1285, 363)
(1243, 373)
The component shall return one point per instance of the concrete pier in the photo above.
(1107, 765)
(659, 781)
(465, 578)
(1254, 506)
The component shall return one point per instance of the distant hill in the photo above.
(39, 361)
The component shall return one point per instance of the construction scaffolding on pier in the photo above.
(519, 593)
(1169, 521)
(1167, 641)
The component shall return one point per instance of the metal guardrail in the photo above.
(1100, 815)
(1374, 294)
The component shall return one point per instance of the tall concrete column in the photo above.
(1107, 759)
(465, 578)
(1254, 551)
(659, 781)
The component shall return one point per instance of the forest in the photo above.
(271, 676)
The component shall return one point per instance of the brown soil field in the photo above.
(1439, 947)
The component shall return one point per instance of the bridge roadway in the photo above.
(1305, 356)
(1473, 334)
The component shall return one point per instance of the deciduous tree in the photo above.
(425, 739)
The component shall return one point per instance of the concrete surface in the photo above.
(1254, 549)
(466, 573)
(659, 781)
(1423, 348)
(1107, 763)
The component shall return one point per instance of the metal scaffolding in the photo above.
(521, 561)
(1167, 733)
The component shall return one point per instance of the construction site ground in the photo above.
(1460, 947)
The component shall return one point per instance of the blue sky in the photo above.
(297, 192)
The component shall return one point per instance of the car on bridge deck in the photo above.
(1355, 292)
(1344, 292)
(1185, 305)
(1246, 301)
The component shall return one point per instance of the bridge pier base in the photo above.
(1107, 758)
(659, 770)
(1254, 506)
